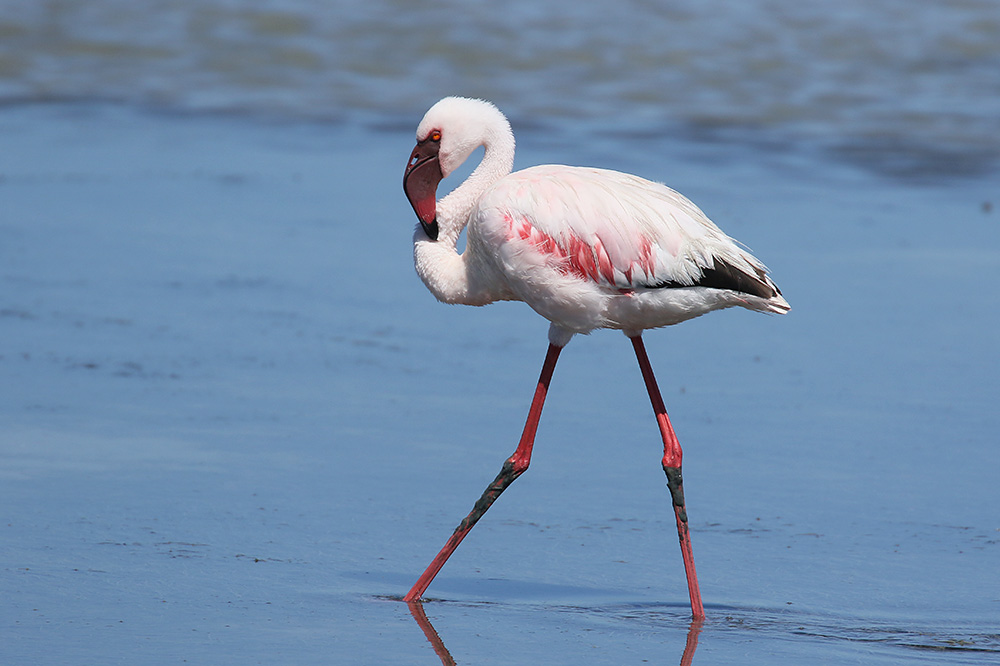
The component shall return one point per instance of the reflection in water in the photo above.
(417, 610)
(691, 644)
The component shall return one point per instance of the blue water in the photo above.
(905, 89)
(236, 427)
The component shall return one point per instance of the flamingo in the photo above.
(585, 248)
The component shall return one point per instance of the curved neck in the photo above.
(453, 210)
(450, 276)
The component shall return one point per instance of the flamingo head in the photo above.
(449, 132)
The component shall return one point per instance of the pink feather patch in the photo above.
(578, 258)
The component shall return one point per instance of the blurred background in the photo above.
(900, 87)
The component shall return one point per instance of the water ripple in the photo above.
(903, 90)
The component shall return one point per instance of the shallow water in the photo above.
(236, 427)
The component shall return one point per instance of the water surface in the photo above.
(905, 89)
(236, 426)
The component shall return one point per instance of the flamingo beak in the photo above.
(423, 173)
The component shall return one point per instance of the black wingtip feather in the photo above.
(726, 276)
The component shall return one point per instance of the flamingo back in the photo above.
(616, 230)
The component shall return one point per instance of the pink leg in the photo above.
(512, 468)
(672, 455)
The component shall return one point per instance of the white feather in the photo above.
(585, 248)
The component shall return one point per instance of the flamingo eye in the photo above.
(435, 136)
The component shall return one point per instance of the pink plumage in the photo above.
(585, 248)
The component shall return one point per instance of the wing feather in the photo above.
(617, 230)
